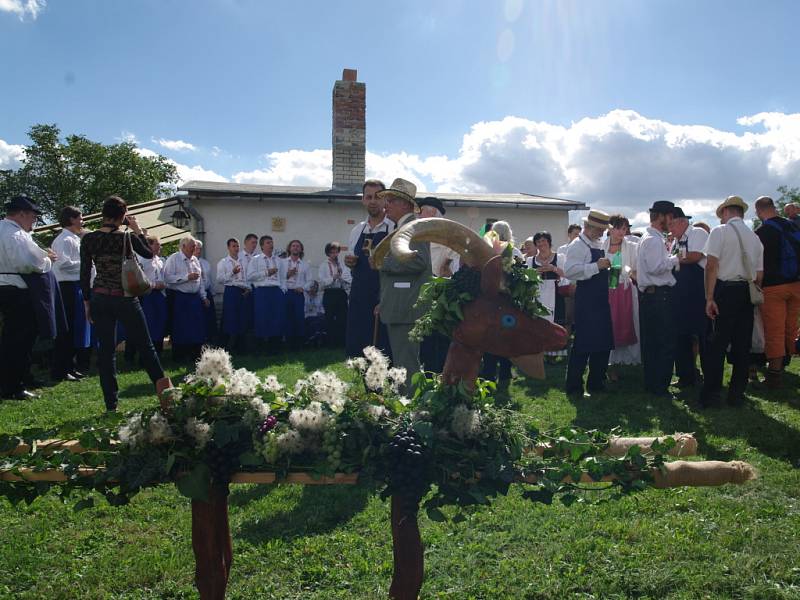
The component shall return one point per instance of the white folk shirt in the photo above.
(245, 258)
(67, 246)
(385, 226)
(208, 281)
(226, 276)
(328, 271)
(298, 280)
(153, 269)
(723, 244)
(176, 274)
(694, 239)
(19, 254)
(257, 272)
(578, 265)
(654, 264)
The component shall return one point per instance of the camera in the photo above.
(125, 221)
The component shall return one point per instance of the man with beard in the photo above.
(401, 281)
(365, 287)
(655, 280)
(266, 277)
(295, 277)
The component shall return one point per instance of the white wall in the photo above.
(317, 224)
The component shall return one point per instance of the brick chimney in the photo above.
(349, 132)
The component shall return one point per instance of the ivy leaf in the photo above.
(88, 440)
(85, 503)
(195, 484)
(434, 514)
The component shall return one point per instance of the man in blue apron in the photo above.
(183, 275)
(688, 297)
(21, 260)
(365, 289)
(587, 265)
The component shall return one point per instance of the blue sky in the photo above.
(240, 79)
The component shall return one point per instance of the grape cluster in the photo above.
(222, 461)
(268, 424)
(408, 468)
(331, 445)
(466, 280)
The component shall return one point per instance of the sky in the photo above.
(615, 103)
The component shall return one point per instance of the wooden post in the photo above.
(408, 554)
(211, 542)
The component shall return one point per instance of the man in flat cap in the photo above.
(401, 281)
(688, 296)
(19, 256)
(654, 266)
(735, 258)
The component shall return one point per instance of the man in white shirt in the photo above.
(573, 231)
(212, 331)
(735, 258)
(587, 265)
(365, 287)
(295, 269)
(67, 270)
(267, 275)
(334, 286)
(688, 297)
(154, 304)
(248, 253)
(183, 276)
(232, 278)
(19, 254)
(655, 280)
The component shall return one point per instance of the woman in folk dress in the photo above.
(545, 261)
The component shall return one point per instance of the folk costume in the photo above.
(188, 310)
(623, 298)
(269, 300)
(365, 290)
(594, 335)
(77, 337)
(19, 254)
(334, 283)
(401, 283)
(154, 304)
(295, 275)
(548, 293)
(741, 258)
(212, 330)
(249, 300)
(235, 290)
(689, 303)
(654, 269)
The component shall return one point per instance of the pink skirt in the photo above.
(621, 301)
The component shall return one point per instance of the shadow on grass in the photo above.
(242, 496)
(320, 509)
(627, 406)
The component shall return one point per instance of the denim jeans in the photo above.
(106, 311)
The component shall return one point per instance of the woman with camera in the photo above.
(105, 301)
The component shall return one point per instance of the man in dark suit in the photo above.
(401, 281)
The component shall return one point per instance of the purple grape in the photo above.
(268, 424)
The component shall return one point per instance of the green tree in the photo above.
(788, 194)
(83, 173)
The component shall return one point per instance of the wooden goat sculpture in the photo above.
(491, 322)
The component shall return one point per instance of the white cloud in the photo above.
(293, 167)
(186, 172)
(10, 155)
(23, 8)
(175, 145)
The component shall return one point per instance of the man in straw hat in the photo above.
(587, 265)
(401, 281)
(735, 258)
(655, 280)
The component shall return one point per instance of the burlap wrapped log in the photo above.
(686, 444)
(683, 473)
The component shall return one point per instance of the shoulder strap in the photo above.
(745, 258)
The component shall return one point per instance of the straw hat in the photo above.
(403, 189)
(597, 218)
(731, 201)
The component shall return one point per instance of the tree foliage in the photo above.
(788, 194)
(80, 172)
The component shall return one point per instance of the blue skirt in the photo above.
(154, 306)
(269, 311)
(295, 315)
(188, 319)
(81, 328)
(234, 311)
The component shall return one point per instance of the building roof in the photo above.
(211, 189)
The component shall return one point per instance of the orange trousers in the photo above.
(780, 311)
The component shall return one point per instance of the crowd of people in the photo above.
(678, 299)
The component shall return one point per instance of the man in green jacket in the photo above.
(401, 281)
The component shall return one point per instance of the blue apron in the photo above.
(154, 307)
(234, 312)
(689, 300)
(188, 319)
(593, 329)
(81, 328)
(270, 311)
(365, 294)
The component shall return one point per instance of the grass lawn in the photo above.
(335, 542)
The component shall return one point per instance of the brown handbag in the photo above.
(134, 282)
